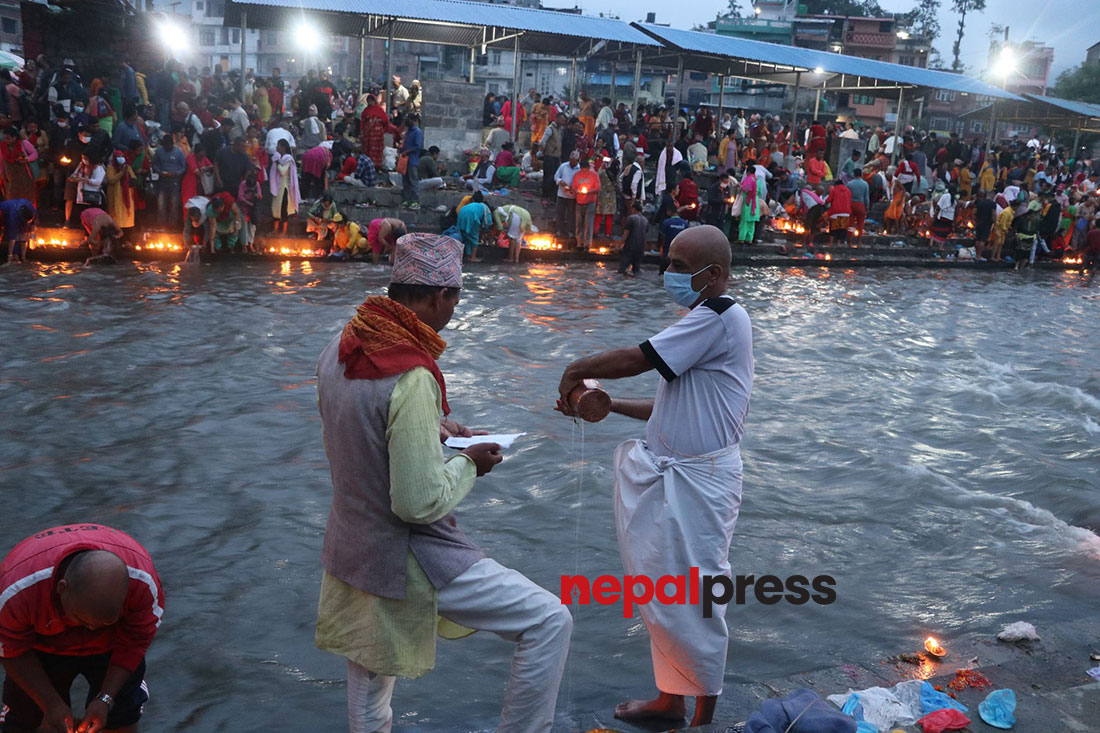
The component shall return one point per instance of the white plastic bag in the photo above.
(1019, 631)
(389, 158)
(882, 707)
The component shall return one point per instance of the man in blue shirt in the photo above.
(18, 218)
(169, 165)
(861, 200)
(128, 130)
(410, 148)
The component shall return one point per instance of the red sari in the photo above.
(374, 125)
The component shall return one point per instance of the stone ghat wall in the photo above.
(451, 117)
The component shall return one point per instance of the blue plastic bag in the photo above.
(999, 708)
(932, 699)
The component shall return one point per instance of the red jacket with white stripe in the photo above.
(30, 611)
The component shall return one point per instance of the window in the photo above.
(206, 37)
(224, 36)
(215, 8)
(886, 26)
(907, 61)
(863, 99)
(11, 25)
(496, 58)
(698, 76)
(732, 82)
(977, 126)
(235, 35)
(943, 95)
(198, 5)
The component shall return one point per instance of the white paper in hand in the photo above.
(504, 440)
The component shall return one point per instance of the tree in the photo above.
(962, 7)
(924, 19)
(1081, 84)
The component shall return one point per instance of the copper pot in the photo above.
(588, 402)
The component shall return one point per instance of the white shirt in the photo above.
(273, 138)
(891, 141)
(947, 207)
(850, 135)
(240, 123)
(565, 174)
(706, 362)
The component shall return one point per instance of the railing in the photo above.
(862, 38)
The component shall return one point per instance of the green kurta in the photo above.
(389, 636)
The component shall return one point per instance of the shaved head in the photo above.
(701, 246)
(704, 253)
(93, 591)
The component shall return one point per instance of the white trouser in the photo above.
(1036, 246)
(489, 597)
(430, 184)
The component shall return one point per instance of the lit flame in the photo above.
(294, 252)
(828, 256)
(1072, 260)
(65, 160)
(933, 647)
(786, 225)
(543, 243)
(603, 250)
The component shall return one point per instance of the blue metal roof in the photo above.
(348, 16)
(781, 59)
(1078, 108)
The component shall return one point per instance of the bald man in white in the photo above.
(678, 492)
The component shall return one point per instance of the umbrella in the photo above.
(10, 61)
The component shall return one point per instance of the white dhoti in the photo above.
(671, 515)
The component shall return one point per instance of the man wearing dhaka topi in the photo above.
(396, 566)
(79, 600)
(678, 492)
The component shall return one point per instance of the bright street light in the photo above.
(819, 70)
(309, 38)
(1006, 62)
(173, 37)
(903, 35)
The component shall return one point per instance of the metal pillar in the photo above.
(362, 60)
(897, 128)
(244, 28)
(515, 92)
(817, 104)
(794, 115)
(612, 95)
(992, 127)
(573, 82)
(721, 100)
(637, 105)
(1076, 140)
(679, 85)
(473, 57)
(920, 114)
(386, 83)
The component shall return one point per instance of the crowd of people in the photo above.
(213, 155)
(204, 152)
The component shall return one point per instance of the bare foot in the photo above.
(664, 707)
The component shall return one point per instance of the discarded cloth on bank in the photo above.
(900, 705)
(803, 711)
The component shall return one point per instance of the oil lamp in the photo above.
(933, 647)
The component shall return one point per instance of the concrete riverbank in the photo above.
(1053, 693)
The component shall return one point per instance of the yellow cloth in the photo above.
(385, 635)
(116, 206)
(1004, 221)
(352, 240)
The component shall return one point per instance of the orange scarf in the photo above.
(385, 338)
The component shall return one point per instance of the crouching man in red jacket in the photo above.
(83, 599)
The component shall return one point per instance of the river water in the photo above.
(929, 439)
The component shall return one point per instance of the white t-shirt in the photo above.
(274, 136)
(706, 361)
(947, 207)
